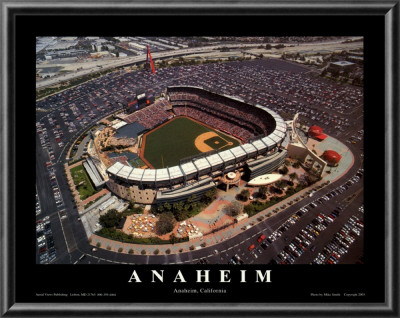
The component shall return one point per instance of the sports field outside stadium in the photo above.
(179, 138)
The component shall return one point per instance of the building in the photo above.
(298, 149)
(121, 39)
(69, 38)
(340, 66)
(63, 45)
(257, 156)
(93, 173)
(137, 46)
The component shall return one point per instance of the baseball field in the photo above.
(179, 138)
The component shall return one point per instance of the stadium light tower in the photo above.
(149, 59)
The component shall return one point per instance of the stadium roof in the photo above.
(115, 168)
(259, 145)
(202, 164)
(215, 159)
(136, 174)
(188, 168)
(125, 172)
(149, 175)
(248, 149)
(267, 141)
(162, 174)
(238, 152)
(175, 172)
(227, 155)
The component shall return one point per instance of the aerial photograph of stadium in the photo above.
(199, 150)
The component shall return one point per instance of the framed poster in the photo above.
(198, 160)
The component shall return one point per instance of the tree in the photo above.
(172, 238)
(296, 164)
(293, 176)
(110, 219)
(243, 195)
(191, 199)
(153, 210)
(284, 170)
(249, 209)
(311, 179)
(181, 215)
(178, 206)
(233, 209)
(280, 184)
(263, 190)
(210, 195)
(166, 223)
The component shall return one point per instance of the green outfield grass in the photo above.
(168, 144)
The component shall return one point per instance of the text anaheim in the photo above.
(203, 276)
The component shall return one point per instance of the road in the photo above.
(238, 244)
(70, 238)
(181, 52)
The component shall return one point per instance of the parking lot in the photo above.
(328, 223)
(283, 87)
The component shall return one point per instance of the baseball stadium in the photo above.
(187, 142)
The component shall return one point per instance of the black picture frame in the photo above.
(10, 307)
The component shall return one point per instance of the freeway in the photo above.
(335, 45)
(136, 59)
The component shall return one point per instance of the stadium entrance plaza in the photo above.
(213, 217)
